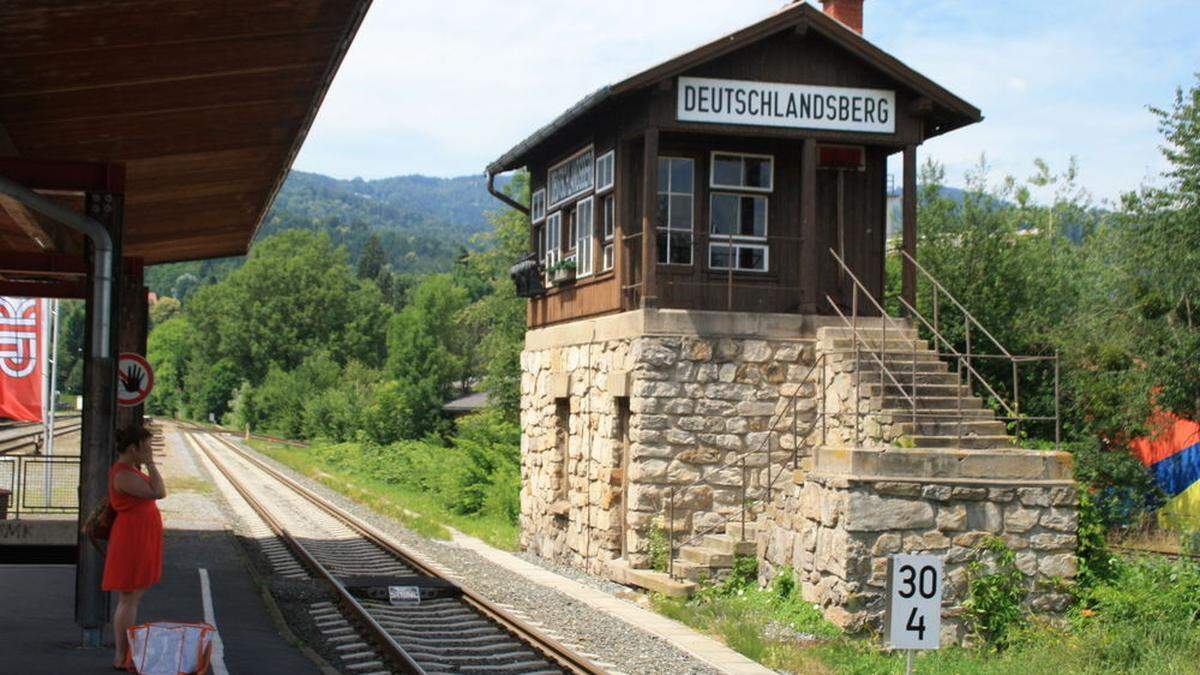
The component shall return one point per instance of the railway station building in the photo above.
(708, 370)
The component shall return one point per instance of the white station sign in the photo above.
(773, 104)
(914, 616)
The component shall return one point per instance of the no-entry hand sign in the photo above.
(135, 379)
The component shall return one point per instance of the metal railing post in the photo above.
(1016, 401)
(857, 361)
(671, 535)
(1057, 419)
(937, 347)
(958, 389)
(743, 499)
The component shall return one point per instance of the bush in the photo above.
(995, 591)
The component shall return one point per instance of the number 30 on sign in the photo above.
(914, 619)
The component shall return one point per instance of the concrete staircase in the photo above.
(949, 415)
(712, 556)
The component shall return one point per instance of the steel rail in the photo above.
(9, 444)
(378, 633)
(541, 643)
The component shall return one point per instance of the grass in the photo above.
(190, 484)
(416, 510)
(1143, 620)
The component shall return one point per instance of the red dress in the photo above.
(135, 546)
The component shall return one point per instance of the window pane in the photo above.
(681, 212)
(727, 170)
(724, 214)
(681, 248)
(758, 172)
(608, 257)
(681, 176)
(752, 259)
(608, 217)
(661, 217)
(753, 221)
(718, 257)
(664, 174)
(662, 246)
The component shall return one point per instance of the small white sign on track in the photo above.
(914, 618)
(404, 595)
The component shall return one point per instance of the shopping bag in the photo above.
(170, 648)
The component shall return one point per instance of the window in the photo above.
(553, 237)
(584, 233)
(537, 206)
(742, 172)
(570, 177)
(608, 218)
(674, 220)
(539, 235)
(733, 215)
(738, 256)
(604, 171)
(737, 222)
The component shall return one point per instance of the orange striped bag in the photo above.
(170, 648)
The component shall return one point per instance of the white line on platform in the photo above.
(218, 652)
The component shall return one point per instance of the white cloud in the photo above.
(444, 88)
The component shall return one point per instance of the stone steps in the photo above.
(934, 427)
(658, 582)
(889, 388)
(900, 405)
(965, 443)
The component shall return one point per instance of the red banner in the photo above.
(22, 347)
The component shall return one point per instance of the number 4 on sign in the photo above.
(914, 616)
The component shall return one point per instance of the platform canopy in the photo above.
(197, 106)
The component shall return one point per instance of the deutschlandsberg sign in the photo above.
(801, 106)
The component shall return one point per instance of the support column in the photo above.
(811, 253)
(132, 327)
(650, 218)
(96, 450)
(908, 280)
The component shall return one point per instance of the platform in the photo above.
(38, 633)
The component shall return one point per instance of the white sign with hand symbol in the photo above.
(135, 379)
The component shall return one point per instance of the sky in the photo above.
(444, 88)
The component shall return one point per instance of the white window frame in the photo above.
(713, 234)
(611, 157)
(575, 155)
(553, 224)
(536, 214)
(585, 233)
(691, 230)
(736, 246)
(608, 228)
(712, 174)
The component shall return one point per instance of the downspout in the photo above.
(101, 347)
(491, 187)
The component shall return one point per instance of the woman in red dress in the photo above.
(134, 561)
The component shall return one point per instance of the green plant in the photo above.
(562, 265)
(660, 547)
(1096, 562)
(995, 591)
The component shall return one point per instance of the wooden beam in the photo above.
(67, 176)
(811, 253)
(26, 222)
(908, 288)
(650, 218)
(51, 264)
(7, 149)
(44, 289)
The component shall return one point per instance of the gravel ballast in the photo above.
(614, 643)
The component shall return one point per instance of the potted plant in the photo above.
(561, 272)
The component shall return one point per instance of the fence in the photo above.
(40, 485)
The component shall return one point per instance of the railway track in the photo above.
(1136, 551)
(416, 620)
(28, 435)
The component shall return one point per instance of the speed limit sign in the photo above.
(914, 618)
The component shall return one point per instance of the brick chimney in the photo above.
(848, 12)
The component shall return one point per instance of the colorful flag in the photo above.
(22, 351)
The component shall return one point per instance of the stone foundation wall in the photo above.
(695, 402)
(837, 533)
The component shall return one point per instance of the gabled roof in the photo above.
(956, 111)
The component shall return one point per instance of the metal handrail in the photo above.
(740, 460)
(964, 360)
(939, 287)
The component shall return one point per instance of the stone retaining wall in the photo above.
(695, 404)
(837, 533)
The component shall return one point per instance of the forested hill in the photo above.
(422, 222)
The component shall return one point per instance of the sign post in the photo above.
(914, 612)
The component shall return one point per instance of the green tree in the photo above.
(372, 259)
(167, 351)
